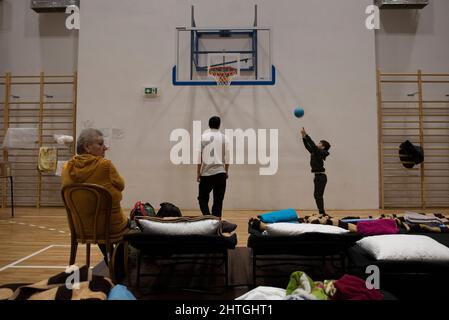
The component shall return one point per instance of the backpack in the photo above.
(142, 210)
(168, 210)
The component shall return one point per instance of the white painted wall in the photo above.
(414, 39)
(32, 42)
(325, 59)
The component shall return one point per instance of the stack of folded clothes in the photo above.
(422, 221)
(418, 218)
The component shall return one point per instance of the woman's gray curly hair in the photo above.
(86, 136)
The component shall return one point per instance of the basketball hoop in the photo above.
(223, 74)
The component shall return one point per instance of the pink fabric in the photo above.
(377, 227)
(353, 288)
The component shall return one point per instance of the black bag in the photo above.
(410, 154)
(168, 210)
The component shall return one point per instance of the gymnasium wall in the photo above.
(325, 59)
(32, 42)
(407, 41)
(414, 39)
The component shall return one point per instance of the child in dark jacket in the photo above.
(318, 154)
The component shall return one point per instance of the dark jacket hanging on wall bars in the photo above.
(410, 154)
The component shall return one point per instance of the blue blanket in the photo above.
(287, 215)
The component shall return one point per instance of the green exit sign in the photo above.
(151, 91)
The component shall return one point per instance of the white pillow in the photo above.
(293, 229)
(202, 227)
(402, 247)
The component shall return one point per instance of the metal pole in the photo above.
(192, 41)
(255, 62)
(193, 16)
(255, 15)
(192, 48)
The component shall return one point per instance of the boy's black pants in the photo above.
(217, 184)
(320, 184)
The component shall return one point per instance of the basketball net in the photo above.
(223, 75)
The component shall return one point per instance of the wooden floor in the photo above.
(35, 243)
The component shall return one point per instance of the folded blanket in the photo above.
(377, 227)
(414, 217)
(55, 288)
(287, 215)
(351, 287)
(423, 226)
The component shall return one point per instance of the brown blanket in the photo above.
(400, 221)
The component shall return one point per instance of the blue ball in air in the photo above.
(299, 112)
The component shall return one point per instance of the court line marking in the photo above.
(26, 258)
(14, 264)
(42, 267)
(33, 225)
(38, 267)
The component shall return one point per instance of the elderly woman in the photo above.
(90, 166)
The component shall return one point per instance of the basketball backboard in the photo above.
(247, 50)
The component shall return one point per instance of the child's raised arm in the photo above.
(308, 142)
